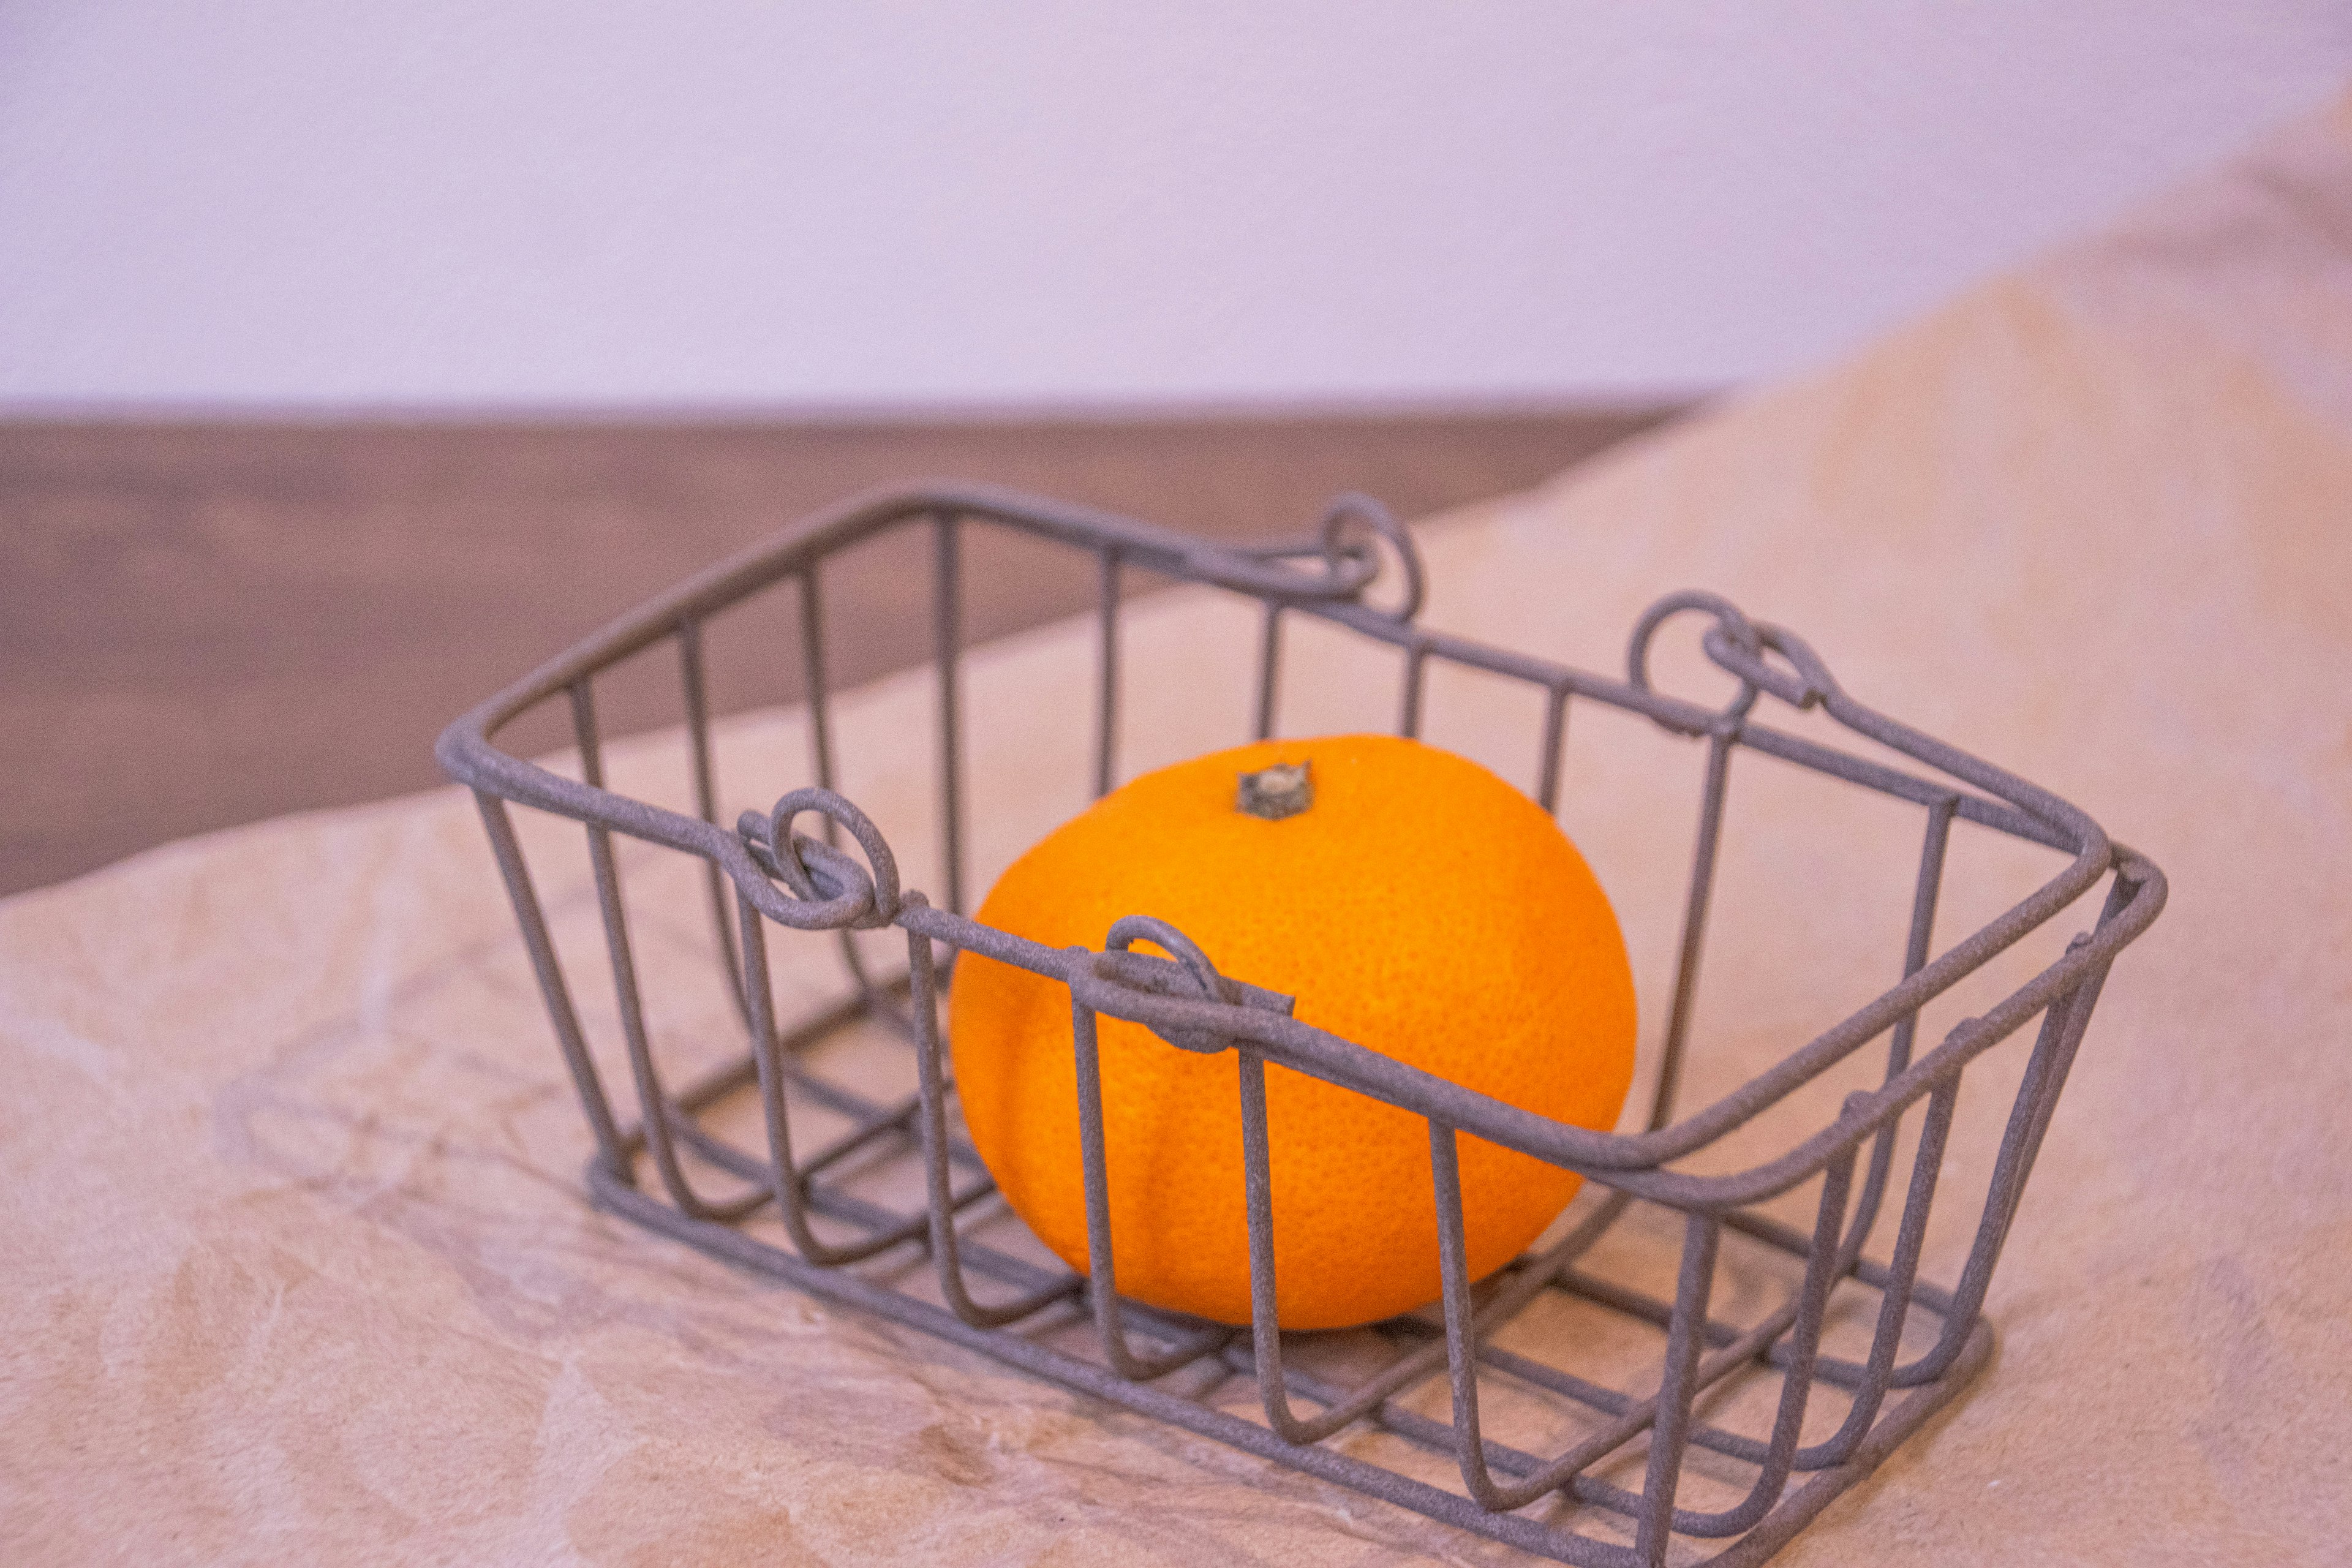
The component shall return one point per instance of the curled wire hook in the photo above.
(828, 888)
(1738, 646)
(1729, 621)
(1812, 682)
(1129, 929)
(1212, 986)
(1344, 543)
(1356, 514)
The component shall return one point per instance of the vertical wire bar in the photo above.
(1269, 661)
(584, 735)
(812, 672)
(1902, 1273)
(787, 1183)
(1924, 893)
(1702, 887)
(2037, 1098)
(2045, 1075)
(1671, 1431)
(706, 803)
(1257, 1188)
(1555, 741)
(1460, 1337)
(1102, 1278)
(651, 1101)
(1257, 1185)
(759, 992)
(2009, 1173)
(1461, 1341)
(820, 744)
(1106, 677)
(938, 1188)
(1822, 1271)
(946, 582)
(1409, 717)
(552, 986)
(1102, 1275)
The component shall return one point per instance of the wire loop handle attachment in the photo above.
(829, 889)
(1737, 645)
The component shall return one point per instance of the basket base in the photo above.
(845, 1288)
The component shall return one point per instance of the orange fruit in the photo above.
(1419, 907)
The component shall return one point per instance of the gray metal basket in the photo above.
(850, 1249)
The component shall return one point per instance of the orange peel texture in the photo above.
(1420, 906)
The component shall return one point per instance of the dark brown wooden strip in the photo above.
(203, 624)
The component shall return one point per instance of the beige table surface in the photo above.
(298, 1269)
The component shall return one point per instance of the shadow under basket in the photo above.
(893, 1214)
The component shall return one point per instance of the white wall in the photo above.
(434, 203)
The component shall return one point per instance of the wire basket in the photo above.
(924, 1262)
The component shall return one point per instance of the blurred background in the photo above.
(353, 360)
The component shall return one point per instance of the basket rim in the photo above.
(1633, 1162)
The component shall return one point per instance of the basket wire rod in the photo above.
(1477, 1457)
(942, 1205)
(699, 1094)
(1438, 1437)
(552, 985)
(2020, 808)
(833, 1097)
(1868, 1272)
(1896, 1280)
(831, 1203)
(850, 1287)
(1474, 1456)
(1635, 1304)
(1775, 1458)
(1900, 1277)
(1965, 1041)
(2045, 1075)
(947, 633)
(788, 1182)
(820, 722)
(1677, 1389)
(651, 1100)
(1107, 674)
(2094, 858)
(870, 1118)
(890, 1119)
(1454, 1275)
(1694, 907)
(1894, 1306)
(1924, 893)
(1343, 1407)
(1554, 742)
(870, 1121)
(705, 802)
(1102, 1279)
(758, 1168)
(1416, 661)
(1609, 1400)
(790, 1044)
(1374, 1397)
(1257, 1196)
(1441, 1437)
(1269, 664)
(1822, 1271)
(812, 618)
(872, 1219)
